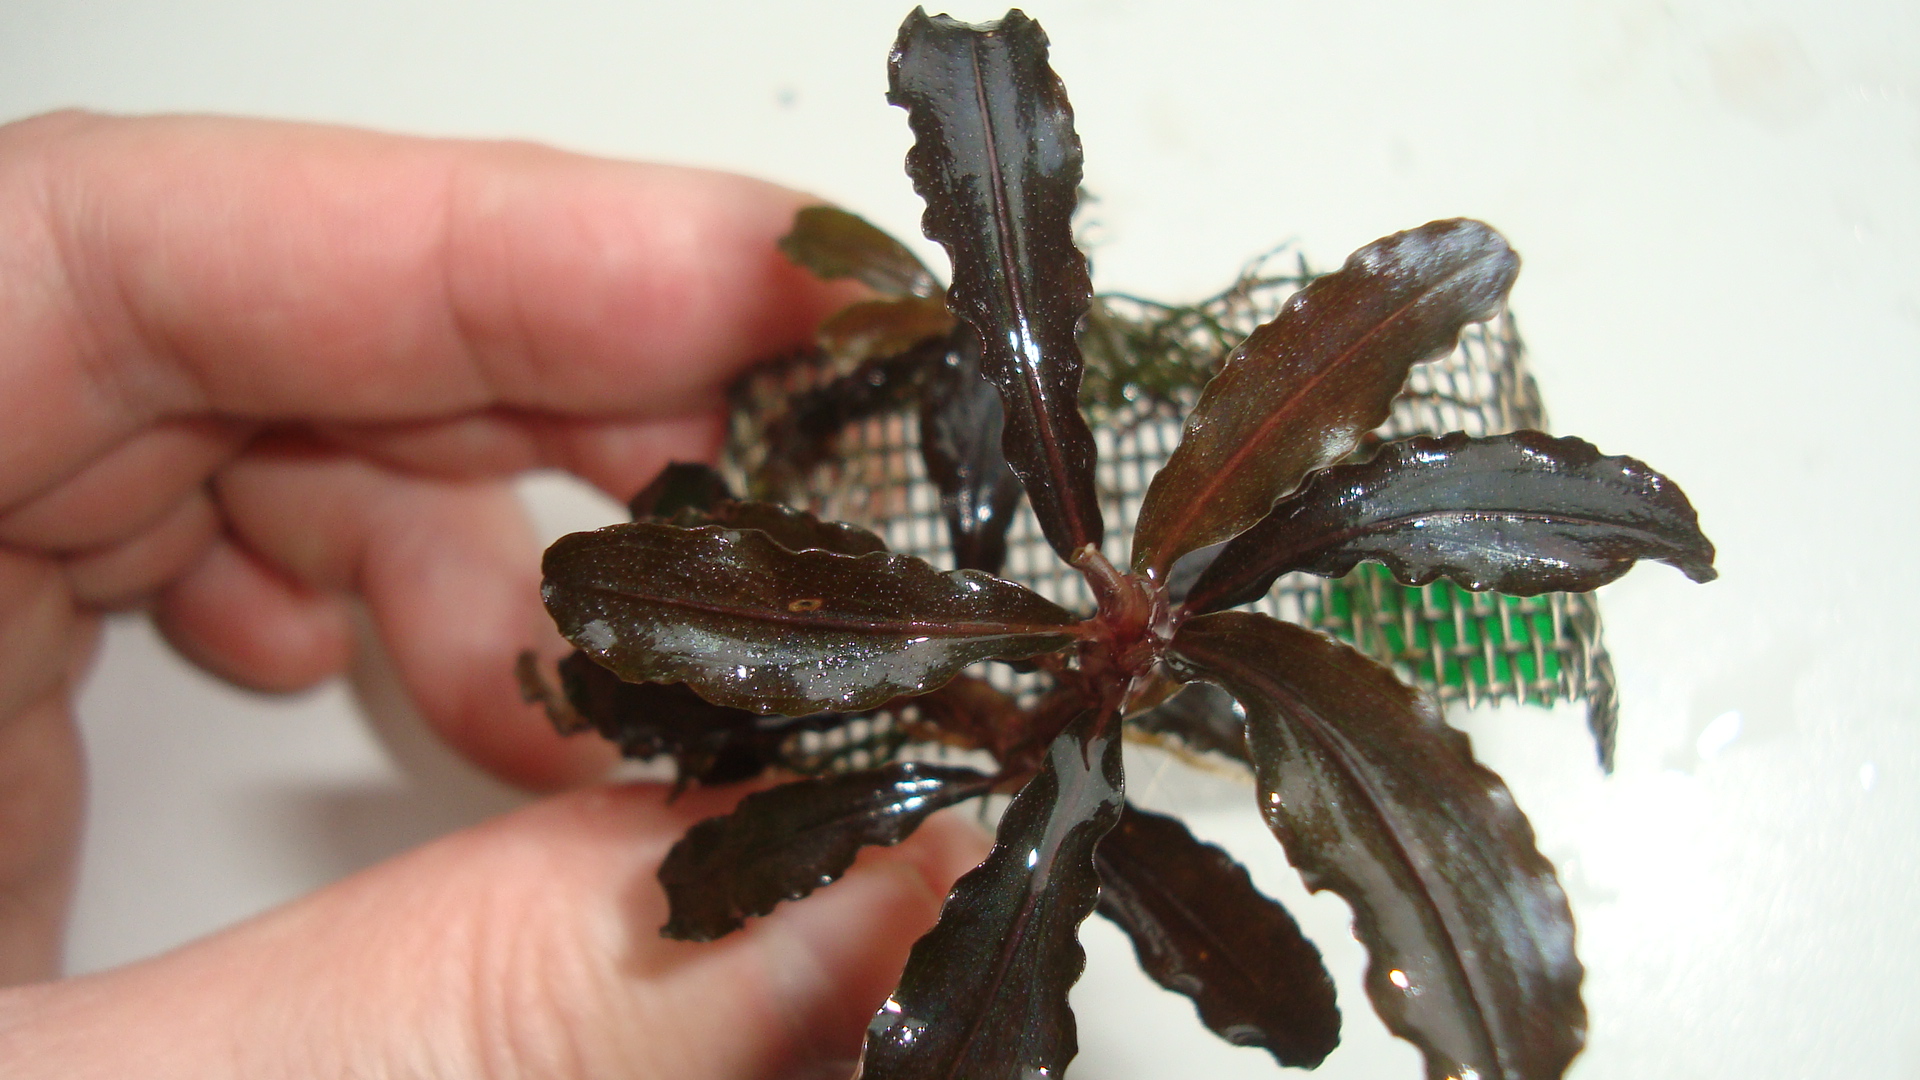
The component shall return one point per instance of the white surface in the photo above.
(1718, 204)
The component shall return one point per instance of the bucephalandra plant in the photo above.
(713, 629)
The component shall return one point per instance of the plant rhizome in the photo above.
(713, 629)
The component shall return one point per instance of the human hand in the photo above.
(253, 371)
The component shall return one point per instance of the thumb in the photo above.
(526, 947)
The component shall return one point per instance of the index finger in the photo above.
(266, 271)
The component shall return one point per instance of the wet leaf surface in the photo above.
(836, 244)
(750, 624)
(785, 842)
(1299, 393)
(1376, 798)
(1521, 514)
(710, 743)
(984, 995)
(961, 422)
(997, 161)
(1201, 929)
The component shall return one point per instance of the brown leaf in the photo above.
(710, 743)
(881, 329)
(750, 624)
(1300, 391)
(1376, 798)
(836, 244)
(1201, 929)
(961, 422)
(785, 842)
(1521, 514)
(984, 995)
(997, 161)
(679, 487)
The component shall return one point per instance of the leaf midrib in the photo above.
(1252, 444)
(813, 620)
(1291, 558)
(1331, 741)
(1015, 298)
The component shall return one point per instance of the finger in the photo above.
(129, 490)
(526, 947)
(618, 456)
(123, 574)
(44, 639)
(41, 793)
(181, 266)
(451, 575)
(241, 619)
(44, 644)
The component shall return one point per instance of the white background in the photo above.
(1718, 204)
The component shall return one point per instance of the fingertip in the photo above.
(829, 961)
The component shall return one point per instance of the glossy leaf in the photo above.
(785, 842)
(1202, 717)
(1201, 929)
(961, 420)
(1376, 798)
(984, 995)
(1299, 393)
(1521, 514)
(997, 161)
(680, 487)
(836, 244)
(750, 624)
(878, 329)
(710, 743)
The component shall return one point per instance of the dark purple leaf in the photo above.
(961, 419)
(750, 624)
(1201, 929)
(1521, 514)
(836, 244)
(984, 995)
(785, 842)
(880, 329)
(968, 712)
(997, 161)
(709, 743)
(1202, 717)
(679, 487)
(804, 436)
(1299, 393)
(1376, 798)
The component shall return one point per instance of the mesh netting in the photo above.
(1146, 364)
